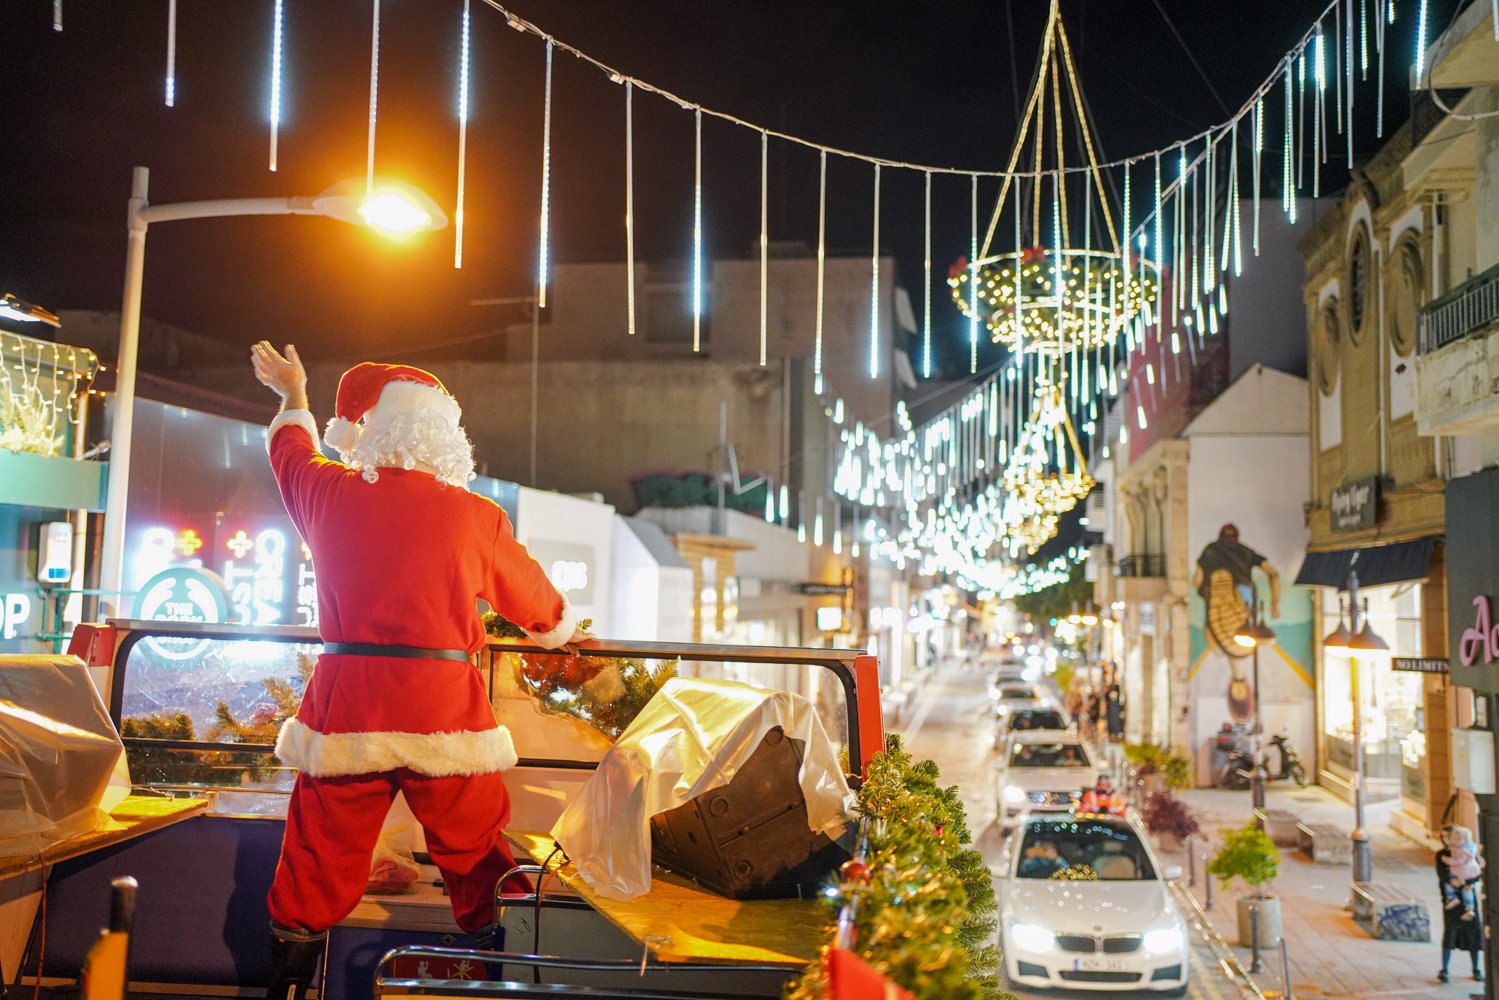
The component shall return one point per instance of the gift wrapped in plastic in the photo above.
(691, 738)
(62, 766)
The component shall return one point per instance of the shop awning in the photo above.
(1377, 565)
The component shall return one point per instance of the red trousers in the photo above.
(333, 824)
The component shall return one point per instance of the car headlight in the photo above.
(1014, 794)
(1163, 940)
(1030, 937)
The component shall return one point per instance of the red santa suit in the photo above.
(402, 558)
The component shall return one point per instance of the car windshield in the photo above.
(1048, 755)
(1083, 851)
(1017, 692)
(1037, 718)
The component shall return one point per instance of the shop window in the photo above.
(1390, 701)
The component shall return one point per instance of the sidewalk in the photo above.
(1330, 955)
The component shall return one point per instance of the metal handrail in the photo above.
(844, 664)
(559, 962)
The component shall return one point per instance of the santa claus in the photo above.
(403, 553)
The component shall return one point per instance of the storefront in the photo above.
(1402, 694)
(46, 490)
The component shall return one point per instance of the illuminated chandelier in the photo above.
(1018, 298)
(1047, 474)
(1054, 296)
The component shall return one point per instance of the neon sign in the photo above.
(267, 571)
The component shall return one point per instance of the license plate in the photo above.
(1100, 964)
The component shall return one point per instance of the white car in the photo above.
(1042, 771)
(1085, 905)
(1027, 718)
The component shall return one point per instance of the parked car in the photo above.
(1027, 719)
(1085, 905)
(1042, 771)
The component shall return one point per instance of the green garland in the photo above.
(926, 911)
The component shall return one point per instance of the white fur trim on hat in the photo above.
(438, 755)
(292, 418)
(341, 434)
(413, 397)
(559, 633)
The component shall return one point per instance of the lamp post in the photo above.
(395, 210)
(1357, 638)
(1253, 632)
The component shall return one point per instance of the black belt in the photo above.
(400, 652)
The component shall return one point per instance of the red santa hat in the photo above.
(377, 393)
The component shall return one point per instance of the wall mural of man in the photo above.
(1224, 578)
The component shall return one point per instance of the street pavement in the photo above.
(1331, 958)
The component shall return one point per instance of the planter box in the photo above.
(1268, 913)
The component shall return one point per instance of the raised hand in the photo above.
(284, 376)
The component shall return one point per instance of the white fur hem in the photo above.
(559, 633)
(292, 418)
(327, 755)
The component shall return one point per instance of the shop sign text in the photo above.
(15, 612)
(1481, 639)
(1354, 506)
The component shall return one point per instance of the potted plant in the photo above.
(1249, 854)
(1159, 767)
(1165, 815)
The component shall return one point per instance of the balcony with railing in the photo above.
(1457, 359)
(1142, 566)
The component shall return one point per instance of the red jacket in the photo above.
(403, 561)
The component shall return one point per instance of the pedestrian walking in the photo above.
(1462, 926)
(1113, 700)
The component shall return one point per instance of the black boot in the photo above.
(295, 956)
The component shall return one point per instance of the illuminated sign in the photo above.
(266, 570)
(181, 594)
(15, 612)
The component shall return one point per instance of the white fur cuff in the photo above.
(326, 755)
(559, 633)
(292, 418)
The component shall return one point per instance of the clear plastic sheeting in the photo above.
(691, 738)
(62, 767)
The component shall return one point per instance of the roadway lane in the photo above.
(949, 721)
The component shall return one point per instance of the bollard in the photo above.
(1255, 965)
(1285, 968)
(1191, 865)
(1208, 881)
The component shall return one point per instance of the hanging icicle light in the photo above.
(926, 322)
(546, 186)
(697, 233)
(463, 143)
(171, 95)
(629, 206)
(369, 166)
(874, 284)
(276, 40)
(822, 255)
(764, 242)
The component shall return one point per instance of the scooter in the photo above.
(1290, 762)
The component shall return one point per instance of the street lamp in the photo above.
(395, 210)
(1250, 635)
(1357, 638)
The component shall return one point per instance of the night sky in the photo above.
(934, 83)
